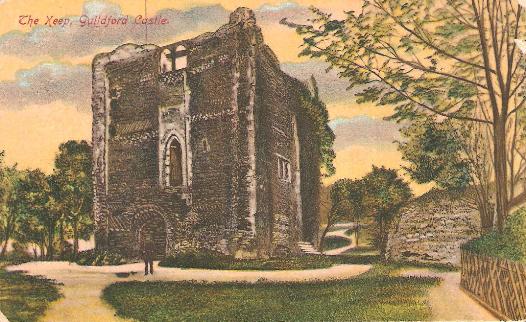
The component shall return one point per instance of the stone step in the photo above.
(308, 248)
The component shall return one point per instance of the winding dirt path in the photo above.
(3, 318)
(448, 302)
(341, 234)
(82, 285)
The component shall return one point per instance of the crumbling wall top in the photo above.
(243, 15)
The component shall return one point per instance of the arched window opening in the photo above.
(180, 57)
(205, 146)
(166, 61)
(175, 167)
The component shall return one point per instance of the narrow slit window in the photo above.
(284, 172)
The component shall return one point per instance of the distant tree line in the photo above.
(41, 211)
(377, 196)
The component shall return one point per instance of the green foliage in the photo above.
(346, 199)
(33, 203)
(372, 296)
(73, 187)
(317, 112)
(385, 192)
(10, 211)
(434, 154)
(95, 257)
(435, 60)
(510, 244)
(213, 260)
(36, 201)
(24, 298)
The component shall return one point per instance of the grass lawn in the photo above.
(25, 298)
(376, 295)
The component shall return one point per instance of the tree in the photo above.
(452, 157)
(10, 212)
(346, 199)
(424, 149)
(385, 193)
(72, 186)
(341, 207)
(436, 60)
(355, 196)
(38, 206)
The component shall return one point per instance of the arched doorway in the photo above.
(154, 231)
(176, 164)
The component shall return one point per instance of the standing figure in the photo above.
(147, 255)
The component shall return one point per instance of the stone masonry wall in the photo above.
(231, 109)
(432, 228)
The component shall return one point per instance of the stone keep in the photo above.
(203, 144)
(432, 227)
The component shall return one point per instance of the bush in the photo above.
(511, 244)
(94, 257)
(212, 260)
(203, 259)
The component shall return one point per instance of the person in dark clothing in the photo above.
(147, 255)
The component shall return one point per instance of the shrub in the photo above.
(94, 257)
(511, 244)
(515, 232)
(213, 260)
(201, 259)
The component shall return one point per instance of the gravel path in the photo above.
(341, 233)
(3, 318)
(82, 286)
(448, 302)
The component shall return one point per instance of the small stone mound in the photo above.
(431, 228)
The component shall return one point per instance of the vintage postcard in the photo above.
(262, 160)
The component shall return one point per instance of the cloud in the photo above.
(363, 130)
(46, 83)
(290, 10)
(332, 87)
(75, 40)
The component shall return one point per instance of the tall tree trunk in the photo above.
(325, 231)
(75, 238)
(42, 246)
(61, 236)
(356, 232)
(51, 238)
(501, 173)
(381, 241)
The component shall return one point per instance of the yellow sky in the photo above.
(31, 135)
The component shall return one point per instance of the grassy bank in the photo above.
(334, 242)
(25, 298)
(376, 295)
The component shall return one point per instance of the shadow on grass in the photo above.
(24, 297)
(375, 295)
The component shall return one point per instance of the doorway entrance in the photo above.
(153, 231)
